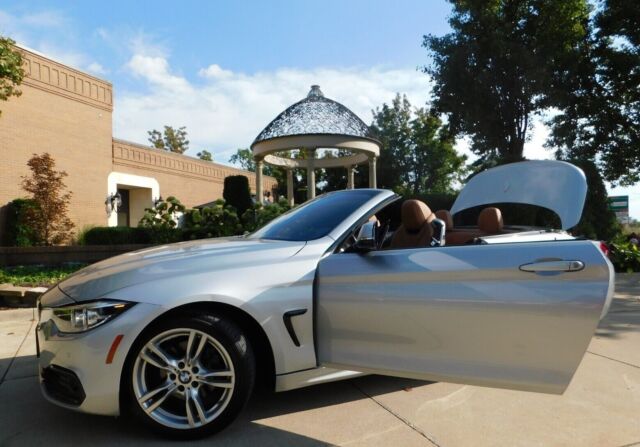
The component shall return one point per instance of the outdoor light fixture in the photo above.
(157, 201)
(113, 203)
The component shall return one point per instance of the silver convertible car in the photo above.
(352, 282)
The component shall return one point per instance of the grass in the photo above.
(36, 276)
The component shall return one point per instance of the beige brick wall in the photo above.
(69, 114)
(192, 181)
(65, 113)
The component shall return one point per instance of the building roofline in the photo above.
(184, 157)
(22, 47)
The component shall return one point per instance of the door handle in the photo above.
(553, 266)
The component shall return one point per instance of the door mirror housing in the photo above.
(366, 240)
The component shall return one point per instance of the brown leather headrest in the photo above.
(446, 217)
(415, 214)
(490, 220)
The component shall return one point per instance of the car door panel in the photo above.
(465, 314)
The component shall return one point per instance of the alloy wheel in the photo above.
(183, 378)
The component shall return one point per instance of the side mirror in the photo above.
(366, 240)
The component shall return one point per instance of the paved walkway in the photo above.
(600, 408)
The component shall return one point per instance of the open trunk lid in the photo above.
(555, 185)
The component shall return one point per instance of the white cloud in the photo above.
(97, 69)
(228, 109)
(214, 71)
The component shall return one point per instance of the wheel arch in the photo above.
(265, 360)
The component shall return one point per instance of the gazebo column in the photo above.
(290, 198)
(259, 193)
(350, 182)
(373, 181)
(311, 176)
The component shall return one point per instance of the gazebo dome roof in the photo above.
(315, 115)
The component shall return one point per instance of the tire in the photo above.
(189, 396)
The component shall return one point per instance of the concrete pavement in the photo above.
(601, 407)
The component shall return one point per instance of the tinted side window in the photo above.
(317, 218)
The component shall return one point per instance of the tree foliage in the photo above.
(18, 229)
(418, 154)
(243, 158)
(600, 119)
(503, 63)
(217, 220)
(597, 221)
(205, 155)
(172, 140)
(11, 71)
(48, 217)
(164, 215)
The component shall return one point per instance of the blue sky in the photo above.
(225, 69)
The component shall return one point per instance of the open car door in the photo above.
(514, 316)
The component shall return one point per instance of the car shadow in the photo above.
(27, 419)
(623, 316)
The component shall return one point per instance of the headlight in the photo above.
(82, 317)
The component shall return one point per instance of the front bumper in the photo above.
(83, 356)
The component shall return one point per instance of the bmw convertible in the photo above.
(353, 282)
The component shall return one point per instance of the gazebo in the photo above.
(315, 123)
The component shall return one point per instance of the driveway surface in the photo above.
(601, 407)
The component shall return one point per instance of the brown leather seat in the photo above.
(490, 221)
(415, 230)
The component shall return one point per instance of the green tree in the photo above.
(172, 140)
(205, 155)
(600, 119)
(597, 221)
(243, 158)
(418, 154)
(48, 217)
(11, 71)
(503, 63)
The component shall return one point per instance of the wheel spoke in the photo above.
(187, 403)
(187, 354)
(216, 378)
(167, 389)
(195, 398)
(159, 359)
(201, 345)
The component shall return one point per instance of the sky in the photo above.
(225, 69)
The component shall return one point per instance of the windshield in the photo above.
(316, 218)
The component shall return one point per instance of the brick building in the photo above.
(68, 113)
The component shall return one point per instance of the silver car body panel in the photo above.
(556, 185)
(465, 314)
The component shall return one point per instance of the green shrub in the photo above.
(18, 230)
(258, 216)
(625, 256)
(236, 193)
(163, 216)
(118, 236)
(214, 221)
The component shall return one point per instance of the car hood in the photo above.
(555, 185)
(162, 262)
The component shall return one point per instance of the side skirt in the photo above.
(308, 377)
